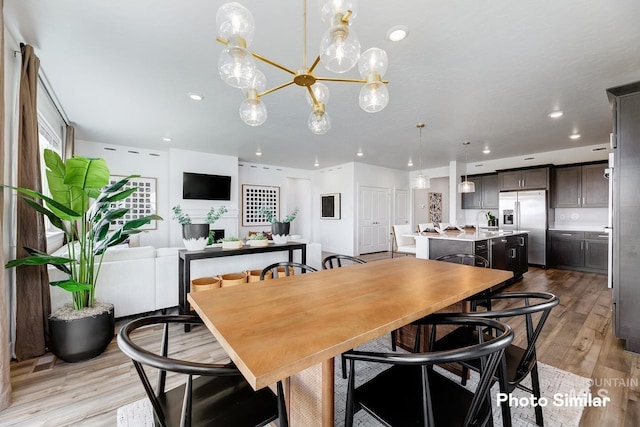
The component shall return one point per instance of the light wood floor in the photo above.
(577, 338)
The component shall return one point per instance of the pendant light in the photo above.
(422, 181)
(466, 186)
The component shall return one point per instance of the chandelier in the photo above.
(339, 52)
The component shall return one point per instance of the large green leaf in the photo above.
(68, 196)
(86, 175)
(71, 285)
(38, 260)
(66, 212)
(55, 219)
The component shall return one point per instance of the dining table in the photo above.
(291, 328)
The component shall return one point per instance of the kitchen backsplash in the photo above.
(579, 218)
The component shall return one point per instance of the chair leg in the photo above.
(393, 340)
(283, 419)
(344, 367)
(535, 386)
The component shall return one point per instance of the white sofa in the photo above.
(144, 279)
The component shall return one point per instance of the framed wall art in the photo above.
(330, 206)
(435, 207)
(141, 203)
(255, 197)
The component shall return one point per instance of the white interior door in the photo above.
(401, 207)
(373, 235)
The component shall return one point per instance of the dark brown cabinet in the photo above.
(524, 179)
(582, 186)
(625, 103)
(486, 194)
(579, 250)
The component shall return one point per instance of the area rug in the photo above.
(552, 381)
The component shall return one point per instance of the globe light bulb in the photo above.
(373, 61)
(235, 20)
(374, 97)
(319, 122)
(253, 112)
(236, 67)
(339, 49)
(321, 92)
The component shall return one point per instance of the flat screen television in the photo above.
(200, 186)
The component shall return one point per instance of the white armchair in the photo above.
(403, 242)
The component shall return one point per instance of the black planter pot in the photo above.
(194, 236)
(492, 223)
(281, 228)
(81, 339)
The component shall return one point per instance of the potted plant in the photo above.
(492, 221)
(231, 242)
(279, 228)
(84, 206)
(258, 239)
(196, 236)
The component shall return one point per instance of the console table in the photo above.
(185, 257)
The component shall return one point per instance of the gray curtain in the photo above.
(33, 305)
(5, 355)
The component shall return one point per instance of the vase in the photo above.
(194, 236)
(83, 338)
(280, 228)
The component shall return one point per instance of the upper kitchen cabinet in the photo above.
(582, 186)
(524, 179)
(486, 194)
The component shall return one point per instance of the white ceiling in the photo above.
(488, 71)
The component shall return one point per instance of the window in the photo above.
(47, 138)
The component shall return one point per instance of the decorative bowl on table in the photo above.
(280, 239)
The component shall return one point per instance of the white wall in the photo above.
(421, 201)
(180, 161)
(295, 192)
(123, 160)
(335, 235)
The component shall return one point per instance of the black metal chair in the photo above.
(466, 259)
(472, 260)
(288, 268)
(412, 393)
(335, 261)
(520, 362)
(213, 395)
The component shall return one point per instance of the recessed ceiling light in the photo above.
(574, 136)
(258, 152)
(397, 33)
(410, 163)
(166, 139)
(360, 153)
(316, 164)
(486, 151)
(556, 114)
(196, 97)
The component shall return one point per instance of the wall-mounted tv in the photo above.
(200, 186)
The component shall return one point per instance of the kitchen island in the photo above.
(505, 250)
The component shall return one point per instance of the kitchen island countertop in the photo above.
(469, 236)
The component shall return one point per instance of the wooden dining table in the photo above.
(291, 328)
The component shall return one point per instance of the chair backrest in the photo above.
(490, 351)
(334, 261)
(399, 235)
(180, 405)
(467, 259)
(429, 226)
(522, 304)
(287, 267)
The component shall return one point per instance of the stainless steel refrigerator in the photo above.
(527, 210)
